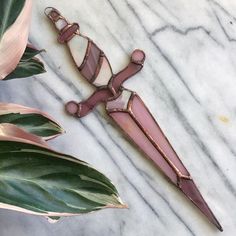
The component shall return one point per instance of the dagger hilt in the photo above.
(92, 64)
(109, 92)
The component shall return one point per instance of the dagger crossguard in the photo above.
(93, 65)
(112, 90)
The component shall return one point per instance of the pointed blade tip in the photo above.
(191, 191)
(218, 226)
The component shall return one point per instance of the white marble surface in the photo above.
(188, 82)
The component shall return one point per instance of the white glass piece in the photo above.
(78, 47)
(60, 24)
(104, 74)
(120, 102)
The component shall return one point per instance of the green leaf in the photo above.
(31, 120)
(33, 123)
(9, 11)
(28, 65)
(30, 52)
(26, 69)
(36, 180)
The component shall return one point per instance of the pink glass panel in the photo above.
(147, 121)
(128, 125)
(90, 67)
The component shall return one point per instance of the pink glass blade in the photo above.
(133, 117)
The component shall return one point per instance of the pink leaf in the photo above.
(14, 41)
(9, 132)
(6, 108)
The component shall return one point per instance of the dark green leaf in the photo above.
(34, 123)
(28, 65)
(27, 68)
(29, 53)
(49, 183)
(9, 11)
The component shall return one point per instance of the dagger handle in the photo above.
(88, 57)
(92, 64)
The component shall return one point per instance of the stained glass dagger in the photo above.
(125, 107)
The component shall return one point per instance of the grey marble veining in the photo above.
(188, 82)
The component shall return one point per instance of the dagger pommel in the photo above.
(66, 30)
(53, 14)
